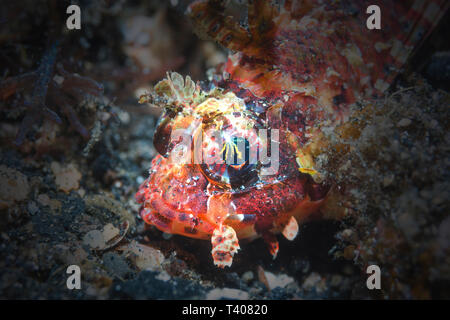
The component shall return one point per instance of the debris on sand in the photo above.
(14, 186)
(67, 177)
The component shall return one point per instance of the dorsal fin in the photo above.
(318, 49)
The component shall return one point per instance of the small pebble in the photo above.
(227, 294)
(248, 276)
(404, 123)
(32, 208)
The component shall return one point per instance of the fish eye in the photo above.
(235, 171)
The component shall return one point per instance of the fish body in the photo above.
(297, 69)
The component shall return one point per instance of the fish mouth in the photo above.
(185, 202)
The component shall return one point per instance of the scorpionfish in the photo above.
(294, 70)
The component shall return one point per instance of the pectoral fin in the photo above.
(290, 230)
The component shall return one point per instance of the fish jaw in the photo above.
(176, 200)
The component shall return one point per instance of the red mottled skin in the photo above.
(298, 68)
